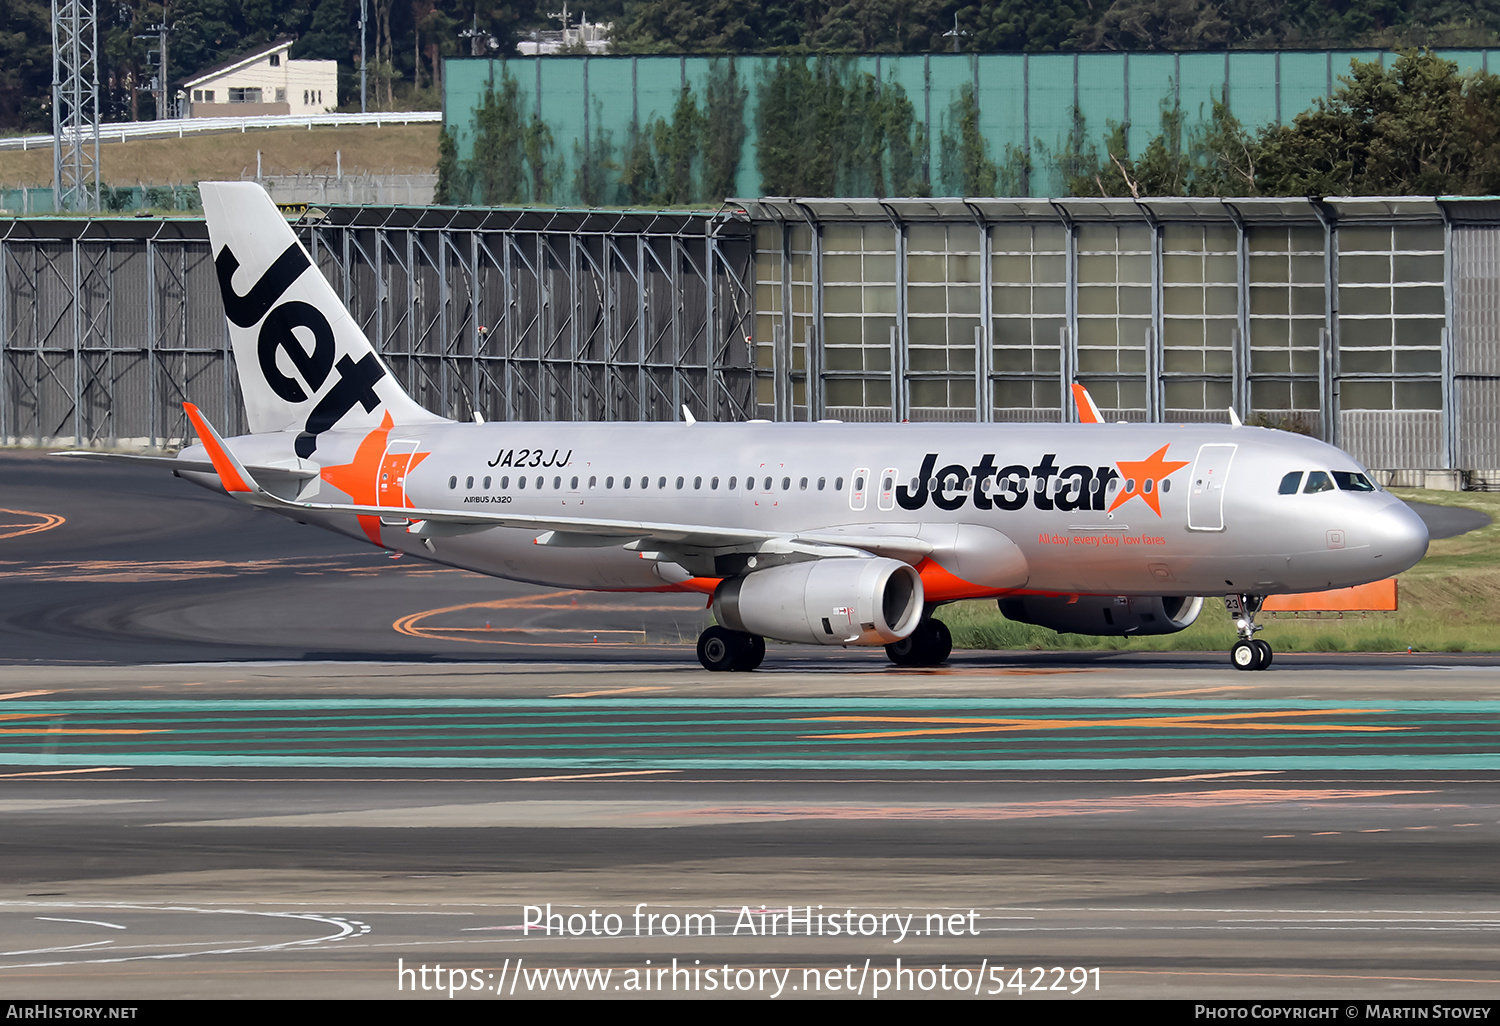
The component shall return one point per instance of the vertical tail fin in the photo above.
(1088, 413)
(303, 363)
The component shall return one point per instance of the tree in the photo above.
(1224, 157)
(1418, 128)
(496, 168)
(723, 129)
(966, 168)
(678, 145)
(828, 130)
(25, 64)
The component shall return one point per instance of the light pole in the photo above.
(364, 11)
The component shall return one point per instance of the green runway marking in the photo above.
(1114, 705)
(1478, 761)
(773, 733)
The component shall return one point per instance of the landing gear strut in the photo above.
(928, 645)
(720, 648)
(1249, 653)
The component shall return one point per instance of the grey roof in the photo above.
(235, 62)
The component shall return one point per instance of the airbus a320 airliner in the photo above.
(831, 534)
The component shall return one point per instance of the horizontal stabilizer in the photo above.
(270, 475)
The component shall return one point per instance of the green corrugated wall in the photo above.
(1023, 99)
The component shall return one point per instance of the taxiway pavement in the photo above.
(224, 772)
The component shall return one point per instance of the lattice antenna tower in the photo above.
(75, 104)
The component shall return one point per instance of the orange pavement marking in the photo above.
(411, 625)
(75, 730)
(47, 522)
(588, 776)
(1233, 721)
(60, 772)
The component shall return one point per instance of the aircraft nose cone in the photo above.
(1399, 537)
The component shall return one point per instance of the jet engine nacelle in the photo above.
(840, 601)
(1105, 614)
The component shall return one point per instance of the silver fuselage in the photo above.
(1073, 498)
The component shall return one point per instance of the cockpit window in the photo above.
(1291, 482)
(1349, 481)
(1317, 481)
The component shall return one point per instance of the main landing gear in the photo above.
(928, 645)
(1249, 653)
(720, 648)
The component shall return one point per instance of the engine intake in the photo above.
(825, 601)
(1117, 616)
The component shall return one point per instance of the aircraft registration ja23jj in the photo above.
(829, 534)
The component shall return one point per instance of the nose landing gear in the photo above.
(1249, 653)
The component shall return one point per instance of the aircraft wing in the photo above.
(240, 482)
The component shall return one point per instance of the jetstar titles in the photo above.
(1077, 487)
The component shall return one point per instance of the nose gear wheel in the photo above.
(1249, 653)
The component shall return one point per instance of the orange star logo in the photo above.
(1143, 479)
(375, 477)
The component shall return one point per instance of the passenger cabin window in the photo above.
(1317, 481)
(1291, 483)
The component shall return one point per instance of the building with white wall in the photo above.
(264, 81)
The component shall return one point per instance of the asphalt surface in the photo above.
(226, 771)
(1448, 521)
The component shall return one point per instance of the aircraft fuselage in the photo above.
(1117, 509)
